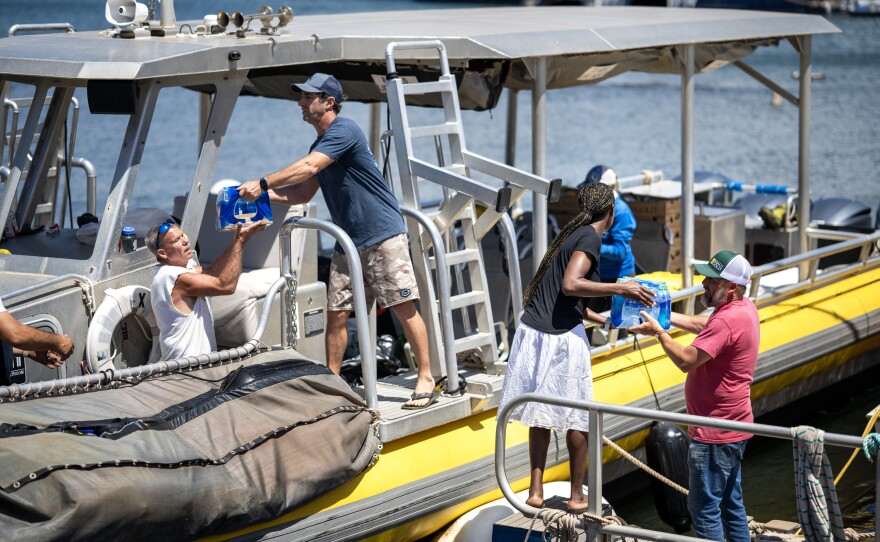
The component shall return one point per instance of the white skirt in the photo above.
(555, 365)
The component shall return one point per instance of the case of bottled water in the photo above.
(232, 209)
(625, 312)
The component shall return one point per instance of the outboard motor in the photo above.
(840, 214)
(667, 451)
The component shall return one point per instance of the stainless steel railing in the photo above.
(595, 440)
(368, 355)
(868, 258)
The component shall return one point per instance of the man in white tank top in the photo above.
(186, 325)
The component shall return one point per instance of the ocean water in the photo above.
(630, 123)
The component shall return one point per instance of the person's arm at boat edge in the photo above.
(46, 348)
(284, 186)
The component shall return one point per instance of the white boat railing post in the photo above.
(687, 54)
(806, 76)
(361, 311)
(376, 128)
(539, 158)
(594, 475)
(510, 134)
(512, 253)
(122, 183)
(443, 295)
(217, 119)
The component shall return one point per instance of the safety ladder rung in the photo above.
(468, 299)
(434, 130)
(427, 87)
(477, 340)
(458, 257)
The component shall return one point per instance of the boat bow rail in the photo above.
(596, 438)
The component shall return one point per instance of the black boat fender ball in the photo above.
(667, 451)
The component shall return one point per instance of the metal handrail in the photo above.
(368, 355)
(91, 182)
(595, 441)
(16, 28)
(9, 104)
(512, 254)
(425, 44)
(45, 284)
(443, 295)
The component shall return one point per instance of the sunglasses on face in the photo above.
(163, 229)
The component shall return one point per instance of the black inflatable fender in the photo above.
(667, 452)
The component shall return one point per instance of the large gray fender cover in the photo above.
(175, 458)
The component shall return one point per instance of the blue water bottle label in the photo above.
(232, 209)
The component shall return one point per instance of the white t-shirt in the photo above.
(180, 335)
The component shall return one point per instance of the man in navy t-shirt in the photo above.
(341, 164)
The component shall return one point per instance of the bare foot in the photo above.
(535, 500)
(576, 506)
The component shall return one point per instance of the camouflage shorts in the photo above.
(388, 276)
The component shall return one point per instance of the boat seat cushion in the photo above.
(237, 316)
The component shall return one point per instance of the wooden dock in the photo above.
(515, 527)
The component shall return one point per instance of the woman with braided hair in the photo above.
(550, 353)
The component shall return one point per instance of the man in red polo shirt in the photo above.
(720, 366)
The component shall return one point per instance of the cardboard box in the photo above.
(566, 207)
(667, 211)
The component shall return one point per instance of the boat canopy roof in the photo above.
(489, 48)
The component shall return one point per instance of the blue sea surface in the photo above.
(630, 122)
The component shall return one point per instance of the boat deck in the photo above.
(484, 392)
(517, 526)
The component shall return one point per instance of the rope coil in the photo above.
(818, 510)
(563, 526)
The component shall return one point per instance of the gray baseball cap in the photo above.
(321, 82)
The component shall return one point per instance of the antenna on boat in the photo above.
(166, 14)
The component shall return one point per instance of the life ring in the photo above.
(119, 304)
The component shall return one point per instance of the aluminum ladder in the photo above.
(471, 210)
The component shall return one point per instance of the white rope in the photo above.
(635, 461)
(818, 509)
(563, 525)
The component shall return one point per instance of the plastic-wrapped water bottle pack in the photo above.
(625, 312)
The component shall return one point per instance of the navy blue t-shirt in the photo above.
(357, 197)
(550, 310)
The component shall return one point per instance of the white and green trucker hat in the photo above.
(726, 265)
